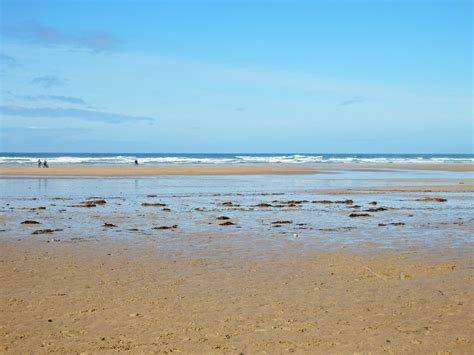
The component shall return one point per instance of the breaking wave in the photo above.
(155, 159)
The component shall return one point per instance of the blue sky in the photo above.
(236, 76)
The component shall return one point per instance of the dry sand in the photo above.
(91, 296)
(270, 169)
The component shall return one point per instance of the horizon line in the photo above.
(239, 153)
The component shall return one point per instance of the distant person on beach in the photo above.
(136, 162)
(40, 164)
(45, 164)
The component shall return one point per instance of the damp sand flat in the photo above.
(217, 264)
(418, 188)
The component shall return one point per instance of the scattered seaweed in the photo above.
(432, 199)
(356, 215)
(153, 204)
(228, 223)
(30, 222)
(282, 222)
(376, 209)
(46, 231)
(174, 226)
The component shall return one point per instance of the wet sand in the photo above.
(429, 188)
(458, 188)
(422, 180)
(260, 169)
(236, 264)
(95, 170)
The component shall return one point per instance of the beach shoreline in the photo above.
(223, 169)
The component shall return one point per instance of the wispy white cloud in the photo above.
(354, 100)
(60, 98)
(67, 99)
(341, 89)
(5, 59)
(44, 129)
(41, 34)
(85, 115)
(47, 81)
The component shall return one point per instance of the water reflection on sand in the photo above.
(253, 204)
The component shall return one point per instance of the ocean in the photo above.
(25, 159)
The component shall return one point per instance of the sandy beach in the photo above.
(93, 296)
(267, 169)
(431, 188)
(239, 259)
(236, 177)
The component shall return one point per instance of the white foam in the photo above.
(238, 159)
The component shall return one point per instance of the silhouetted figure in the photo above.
(40, 164)
(136, 162)
(45, 164)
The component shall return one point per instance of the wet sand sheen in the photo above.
(419, 188)
(234, 264)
